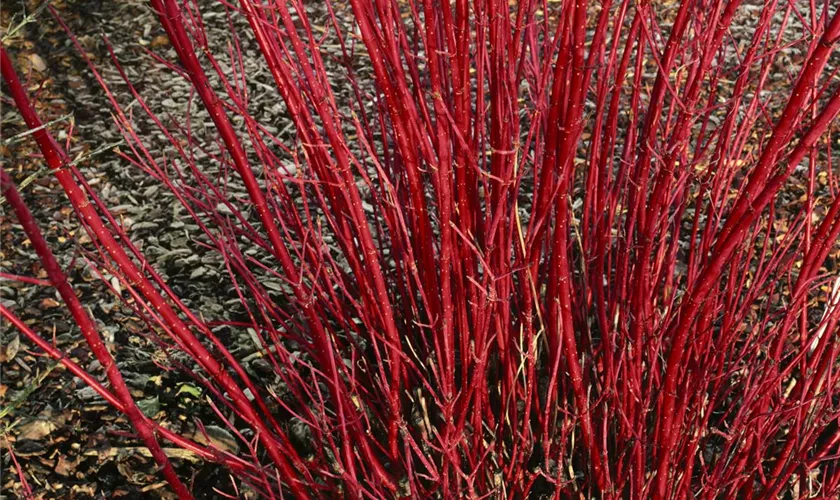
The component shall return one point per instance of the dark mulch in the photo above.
(68, 442)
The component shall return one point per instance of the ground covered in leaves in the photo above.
(64, 439)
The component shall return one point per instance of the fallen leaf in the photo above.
(29, 449)
(37, 63)
(11, 349)
(49, 303)
(36, 429)
(149, 406)
(217, 437)
(189, 389)
(160, 41)
(66, 467)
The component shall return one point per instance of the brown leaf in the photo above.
(160, 41)
(36, 429)
(49, 303)
(65, 467)
(37, 63)
(216, 437)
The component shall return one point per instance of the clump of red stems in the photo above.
(536, 248)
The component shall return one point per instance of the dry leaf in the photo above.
(66, 467)
(216, 437)
(37, 63)
(160, 41)
(11, 349)
(49, 303)
(36, 429)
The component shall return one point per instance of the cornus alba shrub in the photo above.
(569, 249)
